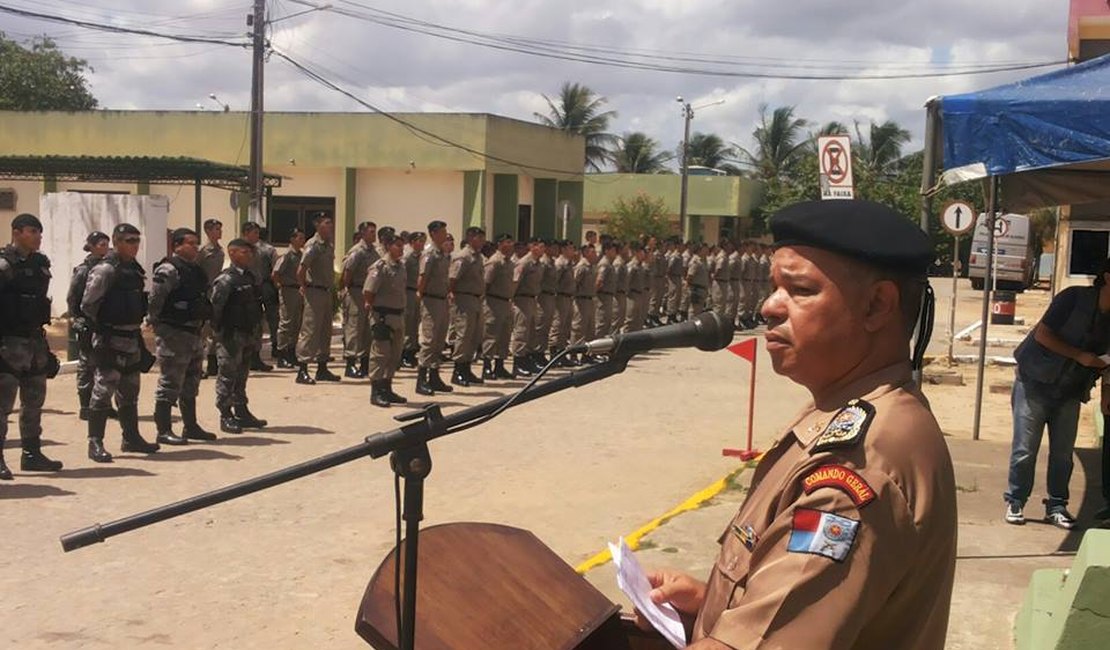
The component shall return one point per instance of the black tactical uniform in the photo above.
(236, 315)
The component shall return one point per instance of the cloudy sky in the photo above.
(405, 71)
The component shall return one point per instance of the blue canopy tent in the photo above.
(1043, 141)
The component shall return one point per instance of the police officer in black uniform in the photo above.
(25, 359)
(236, 315)
(179, 308)
(97, 245)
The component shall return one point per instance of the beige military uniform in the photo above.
(585, 311)
(356, 319)
(292, 302)
(564, 303)
(498, 313)
(545, 305)
(411, 260)
(620, 307)
(847, 539)
(656, 265)
(318, 261)
(736, 286)
(606, 297)
(684, 302)
(638, 290)
(527, 276)
(697, 278)
(720, 276)
(675, 288)
(764, 279)
(749, 266)
(386, 279)
(433, 306)
(466, 312)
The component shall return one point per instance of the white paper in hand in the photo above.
(634, 583)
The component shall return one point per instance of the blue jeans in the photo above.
(1032, 411)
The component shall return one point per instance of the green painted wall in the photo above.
(506, 192)
(573, 192)
(346, 213)
(544, 204)
(142, 188)
(725, 196)
(474, 198)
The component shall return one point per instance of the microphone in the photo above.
(706, 331)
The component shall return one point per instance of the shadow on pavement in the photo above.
(1091, 468)
(49, 411)
(184, 453)
(100, 471)
(492, 393)
(295, 429)
(32, 491)
(248, 441)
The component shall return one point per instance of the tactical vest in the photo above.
(188, 302)
(125, 301)
(1037, 363)
(243, 311)
(78, 284)
(24, 304)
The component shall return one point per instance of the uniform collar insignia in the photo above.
(847, 427)
(747, 535)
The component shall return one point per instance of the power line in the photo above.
(118, 29)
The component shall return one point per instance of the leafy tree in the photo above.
(636, 153)
(882, 149)
(579, 110)
(709, 150)
(637, 217)
(779, 143)
(40, 77)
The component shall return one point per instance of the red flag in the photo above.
(745, 349)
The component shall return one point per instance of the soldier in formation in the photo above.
(316, 278)
(236, 317)
(384, 295)
(291, 310)
(97, 245)
(356, 319)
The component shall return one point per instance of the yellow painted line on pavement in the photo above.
(695, 501)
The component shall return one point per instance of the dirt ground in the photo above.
(286, 568)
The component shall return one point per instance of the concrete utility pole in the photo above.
(687, 114)
(257, 22)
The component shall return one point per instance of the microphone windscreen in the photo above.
(714, 332)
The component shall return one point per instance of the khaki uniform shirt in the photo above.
(498, 276)
(750, 265)
(620, 270)
(674, 265)
(528, 274)
(585, 279)
(262, 263)
(548, 281)
(433, 266)
(564, 276)
(467, 272)
(210, 257)
(658, 264)
(637, 276)
(319, 263)
(734, 267)
(358, 262)
(386, 280)
(848, 536)
(698, 272)
(606, 277)
(719, 267)
(411, 260)
(287, 267)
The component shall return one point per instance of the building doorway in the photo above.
(524, 223)
(288, 212)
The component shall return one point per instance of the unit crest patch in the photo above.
(822, 533)
(847, 427)
(843, 479)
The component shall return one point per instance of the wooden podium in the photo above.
(493, 587)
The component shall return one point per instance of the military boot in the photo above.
(323, 374)
(364, 366)
(247, 420)
(435, 382)
(499, 370)
(303, 377)
(191, 429)
(228, 422)
(163, 420)
(521, 367)
(258, 365)
(470, 376)
(458, 376)
(393, 398)
(284, 360)
(133, 440)
(33, 460)
(5, 473)
(422, 386)
(540, 360)
(98, 419)
(213, 366)
(351, 369)
(487, 369)
(83, 397)
(408, 359)
(377, 394)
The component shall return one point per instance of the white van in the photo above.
(1016, 264)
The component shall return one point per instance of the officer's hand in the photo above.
(1090, 360)
(681, 590)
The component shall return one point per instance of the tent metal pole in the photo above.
(992, 202)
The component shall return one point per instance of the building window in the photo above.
(7, 199)
(288, 212)
(1088, 251)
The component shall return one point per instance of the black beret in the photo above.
(862, 230)
(387, 236)
(94, 238)
(26, 221)
(416, 236)
(387, 231)
(504, 237)
(209, 224)
(436, 225)
(250, 226)
(179, 235)
(474, 231)
(125, 229)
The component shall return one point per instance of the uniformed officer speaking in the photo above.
(848, 536)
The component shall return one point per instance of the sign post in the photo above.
(958, 218)
(834, 155)
(746, 349)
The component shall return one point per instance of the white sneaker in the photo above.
(1015, 514)
(1060, 519)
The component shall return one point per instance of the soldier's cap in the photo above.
(387, 231)
(94, 238)
(862, 230)
(250, 226)
(239, 242)
(178, 236)
(504, 237)
(387, 236)
(474, 231)
(209, 224)
(26, 221)
(125, 229)
(416, 236)
(433, 226)
(536, 240)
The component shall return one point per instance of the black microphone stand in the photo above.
(409, 459)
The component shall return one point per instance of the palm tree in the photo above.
(636, 153)
(579, 111)
(709, 150)
(778, 143)
(883, 147)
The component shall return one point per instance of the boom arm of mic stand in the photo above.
(375, 446)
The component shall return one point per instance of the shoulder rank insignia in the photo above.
(841, 478)
(847, 427)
